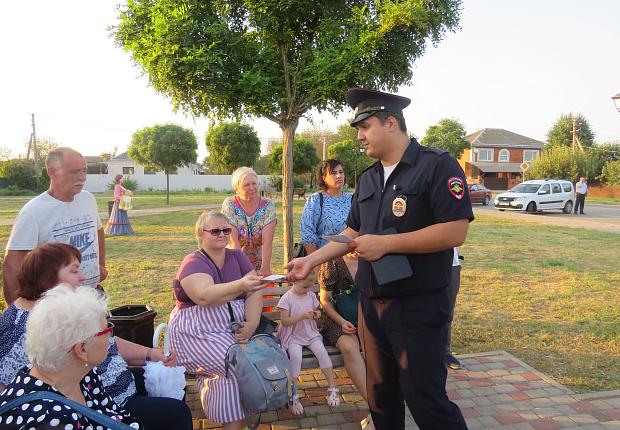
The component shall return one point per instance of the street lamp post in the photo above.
(616, 100)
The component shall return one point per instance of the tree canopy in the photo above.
(611, 173)
(561, 162)
(305, 158)
(278, 59)
(449, 135)
(561, 133)
(353, 158)
(231, 145)
(164, 147)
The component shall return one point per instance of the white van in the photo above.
(538, 195)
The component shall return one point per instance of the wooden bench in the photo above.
(299, 192)
(271, 296)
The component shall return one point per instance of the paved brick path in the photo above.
(495, 390)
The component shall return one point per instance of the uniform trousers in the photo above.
(404, 340)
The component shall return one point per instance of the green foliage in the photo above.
(562, 162)
(611, 173)
(231, 145)
(130, 184)
(163, 147)
(449, 135)
(261, 167)
(561, 133)
(276, 182)
(354, 161)
(20, 172)
(265, 57)
(13, 190)
(305, 159)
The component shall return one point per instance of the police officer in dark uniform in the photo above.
(410, 209)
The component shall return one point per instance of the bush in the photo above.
(276, 182)
(611, 173)
(20, 172)
(13, 190)
(130, 184)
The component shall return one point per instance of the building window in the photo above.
(504, 156)
(127, 170)
(485, 155)
(148, 171)
(530, 155)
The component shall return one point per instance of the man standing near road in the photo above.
(64, 213)
(412, 206)
(581, 191)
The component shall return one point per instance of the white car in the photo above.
(538, 195)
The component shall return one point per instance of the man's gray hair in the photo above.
(62, 318)
(57, 155)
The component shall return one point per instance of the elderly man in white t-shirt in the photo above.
(581, 191)
(64, 213)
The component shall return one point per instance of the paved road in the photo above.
(597, 217)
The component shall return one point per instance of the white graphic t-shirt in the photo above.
(46, 219)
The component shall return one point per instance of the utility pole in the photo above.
(576, 141)
(32, 145)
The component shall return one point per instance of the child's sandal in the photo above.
(333, 399)
(295, 406)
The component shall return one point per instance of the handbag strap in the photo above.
(48, 395)
(219, 275)
(321, 205)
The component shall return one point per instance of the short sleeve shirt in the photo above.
(427, 187)
(236, 266)
(46, 219)
(250, 228)
(316, 223)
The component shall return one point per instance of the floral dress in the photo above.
(250, 228)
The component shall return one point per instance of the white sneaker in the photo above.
(295, 406)
(333, 399)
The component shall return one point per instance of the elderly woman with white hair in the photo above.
(64, 348)
(252, 218)
(212, 284)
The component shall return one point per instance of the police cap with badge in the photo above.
(369, 102)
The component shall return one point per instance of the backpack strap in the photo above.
(48, 395)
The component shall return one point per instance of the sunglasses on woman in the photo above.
(217, 231)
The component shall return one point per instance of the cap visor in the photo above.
(361, 117)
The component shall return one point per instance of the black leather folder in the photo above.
(391, 267)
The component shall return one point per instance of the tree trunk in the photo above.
(167, 187)
(288, 135)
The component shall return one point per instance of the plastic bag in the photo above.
(126, 202)
(162, 381)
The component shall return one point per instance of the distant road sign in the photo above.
(524, 166)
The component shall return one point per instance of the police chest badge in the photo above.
(456, 187)
(399, 206)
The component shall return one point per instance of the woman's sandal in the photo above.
(295, 406)
(333, 399)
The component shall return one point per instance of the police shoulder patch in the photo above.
(456, 187)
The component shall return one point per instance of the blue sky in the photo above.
(515, 64)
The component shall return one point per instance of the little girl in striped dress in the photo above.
(298, 314)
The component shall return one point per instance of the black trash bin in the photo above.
(110, 206)
(134, 323)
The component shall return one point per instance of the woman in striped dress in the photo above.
(209, 282)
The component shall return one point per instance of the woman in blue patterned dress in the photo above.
(317, 222)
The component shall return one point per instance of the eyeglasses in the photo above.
(217, 231)
(109, 329)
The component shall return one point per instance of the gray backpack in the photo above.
(263, 373)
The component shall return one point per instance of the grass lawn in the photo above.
(10, 206)
(549, 295)
(605, 200)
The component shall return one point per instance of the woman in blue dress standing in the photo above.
(317, 221)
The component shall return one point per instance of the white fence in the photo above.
(99, 183)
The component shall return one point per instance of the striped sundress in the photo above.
(201, 336)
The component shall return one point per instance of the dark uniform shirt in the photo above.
(434, 189)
